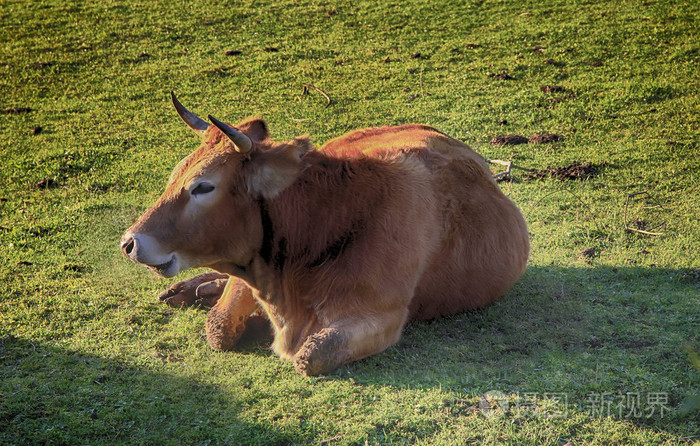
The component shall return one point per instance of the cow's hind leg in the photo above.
(203, 289)
(348, 341)
(235, 312)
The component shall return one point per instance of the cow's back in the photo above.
(484, 240)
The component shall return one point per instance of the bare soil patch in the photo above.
(40, 65)
(502, 76)
(16, 110)
(46, 183)
(573, 171)
(552, 89)
(511, 140)
(504, 140)
(588, 254)
(542, 138)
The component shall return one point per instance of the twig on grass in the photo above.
(503, 175)
(295, 119)
(422, 93)
(593, 216)
(308, 87)
(305, 92)
(640, 231)
(329, 440)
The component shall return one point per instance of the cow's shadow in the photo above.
(576, 333)
(57, 396)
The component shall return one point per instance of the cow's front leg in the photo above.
(203, 289)
(347, 341)
(232, 314)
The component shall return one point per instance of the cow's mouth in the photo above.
(163, 268)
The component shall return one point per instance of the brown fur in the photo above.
(341, 246)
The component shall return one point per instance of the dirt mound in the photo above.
(552, 89)
(16, 110)
(503, 140)
(511, 140)
(542, 138)
(503, 76)
(574, 171)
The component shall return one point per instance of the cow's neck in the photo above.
(318, 218)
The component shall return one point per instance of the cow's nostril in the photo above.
(128, 247)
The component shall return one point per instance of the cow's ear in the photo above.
(269, 172)
(255, 129)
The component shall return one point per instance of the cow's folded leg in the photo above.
(322, 352)
(332, 347)
(203, 289)
(227, 320)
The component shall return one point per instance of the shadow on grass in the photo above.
(606, 342)
(53, 396)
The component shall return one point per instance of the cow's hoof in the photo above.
(204, 289)
(209, 293)
(322, 353)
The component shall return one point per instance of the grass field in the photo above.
(592, 346)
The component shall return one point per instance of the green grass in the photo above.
(585, 349)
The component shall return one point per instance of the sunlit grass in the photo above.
(590, 347)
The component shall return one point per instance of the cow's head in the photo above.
(209, 214)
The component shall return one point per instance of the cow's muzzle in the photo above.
(145, 249)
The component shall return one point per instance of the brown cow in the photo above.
(338, 247)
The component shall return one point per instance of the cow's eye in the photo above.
(202, 188)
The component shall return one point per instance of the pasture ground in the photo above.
(592, 346)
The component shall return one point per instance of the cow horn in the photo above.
(193, 121)
(240, 140)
